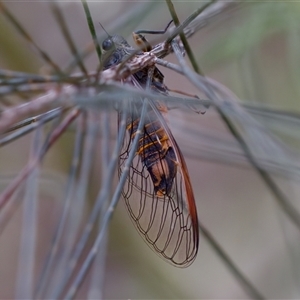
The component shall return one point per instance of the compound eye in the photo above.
(107, 44)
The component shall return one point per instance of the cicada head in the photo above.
(115, 49)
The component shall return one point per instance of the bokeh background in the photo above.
(253, 50)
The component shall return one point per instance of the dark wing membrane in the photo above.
(166, 220)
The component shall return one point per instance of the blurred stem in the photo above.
(180, 28)
(248, 287)
(279, 196)
(182, 36)
(29, 39)
(67, 35)
(31, 165)
(91, 27)
(246, 284)
(16, 56)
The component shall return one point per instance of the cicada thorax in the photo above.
(156, 152)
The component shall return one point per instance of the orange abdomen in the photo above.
(156, 154)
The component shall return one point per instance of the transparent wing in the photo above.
(158, 192)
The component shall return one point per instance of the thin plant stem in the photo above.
(92, 28)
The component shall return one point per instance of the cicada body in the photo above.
(158, 192)
(156, 153)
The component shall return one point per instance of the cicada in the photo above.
(158, 192)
